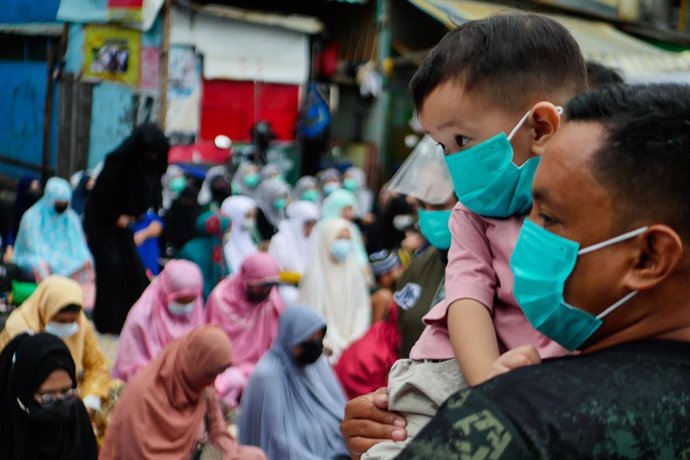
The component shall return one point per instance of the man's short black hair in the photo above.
(509, 58)
(599, 75)
(644, 158)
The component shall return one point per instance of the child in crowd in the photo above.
(483, 80)
(386, 268)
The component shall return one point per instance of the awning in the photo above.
(297, 23)
(49, 29)
(598, 40)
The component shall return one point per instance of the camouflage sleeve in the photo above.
(468, 427)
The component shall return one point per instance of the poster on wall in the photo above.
(184, 90)
(112, 53)
(125, 10)
(150, 68)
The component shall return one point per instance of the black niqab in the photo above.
(60, 433)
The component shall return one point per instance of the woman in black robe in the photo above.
(42, 416)
(128, 185)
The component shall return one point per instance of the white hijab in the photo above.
(337, 291)
(240, 243)
(289, 246)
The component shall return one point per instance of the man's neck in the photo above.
(640, 332)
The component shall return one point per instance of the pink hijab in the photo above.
(150, 327)
(159, 414)
(251, 327)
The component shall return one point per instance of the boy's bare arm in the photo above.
(473, 338)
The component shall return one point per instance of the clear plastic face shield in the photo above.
(424, 175)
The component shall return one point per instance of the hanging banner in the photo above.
(112, 53)
(125, 10)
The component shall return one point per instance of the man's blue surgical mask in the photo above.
(434, 227)
(541, 263)
(487, 181)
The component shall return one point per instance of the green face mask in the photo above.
(280, 204)
(310, 195)
(178, 184)
(350, 185)
(251, 180)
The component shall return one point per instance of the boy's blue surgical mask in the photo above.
(434, 227)
(541, 263)
(487, 181)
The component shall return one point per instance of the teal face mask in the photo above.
(541, 263)
(434, 227)
(487, 181)
(310, 195)
(178, 184)
(280, 204)
(251, 180)
(350, 185)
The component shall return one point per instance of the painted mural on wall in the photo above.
(112, 54)
(22, 100)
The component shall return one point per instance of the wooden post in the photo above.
(47, 113)
(165, 48)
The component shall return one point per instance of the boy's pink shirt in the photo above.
(478, 268)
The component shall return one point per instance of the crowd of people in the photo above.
(517, 290)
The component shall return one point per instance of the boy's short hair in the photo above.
(509, 58)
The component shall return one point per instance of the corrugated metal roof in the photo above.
(303, 24)
(49, 29)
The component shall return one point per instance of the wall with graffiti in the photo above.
(22, 105)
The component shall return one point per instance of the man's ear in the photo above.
(659, 253)
(544, 121)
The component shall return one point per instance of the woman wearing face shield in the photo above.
(56, 308)
(42, 415)
(425, 178)
(51, 241)
(293, 404)
(246, 307)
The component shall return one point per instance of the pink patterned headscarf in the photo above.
(150, 326)
(251, 327)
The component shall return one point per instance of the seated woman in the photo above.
(247, 307)
(307, 189)
(56, 308)
(206, 250)
(334, 285)
(341, 204)
(240, 243)
(272, 197)
(170, 307)
(51, 241)
(246, 180)
(42, 416)
(293, 405)
(293, 245)
(169, 408)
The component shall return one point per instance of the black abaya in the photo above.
(129, 184)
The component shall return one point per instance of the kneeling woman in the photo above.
(170, 307)
(293, 404)
(170, 409)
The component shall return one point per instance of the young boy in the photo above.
(478, 94)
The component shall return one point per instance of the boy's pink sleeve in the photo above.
(469, 273)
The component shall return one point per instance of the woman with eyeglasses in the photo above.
(42, 416)
(246, 306)
(56, 308)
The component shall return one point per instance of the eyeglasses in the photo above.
(47, 400)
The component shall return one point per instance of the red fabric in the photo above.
(365, 365)
(232, 107)
(202, 152)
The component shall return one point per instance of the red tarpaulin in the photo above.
(232, 107)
